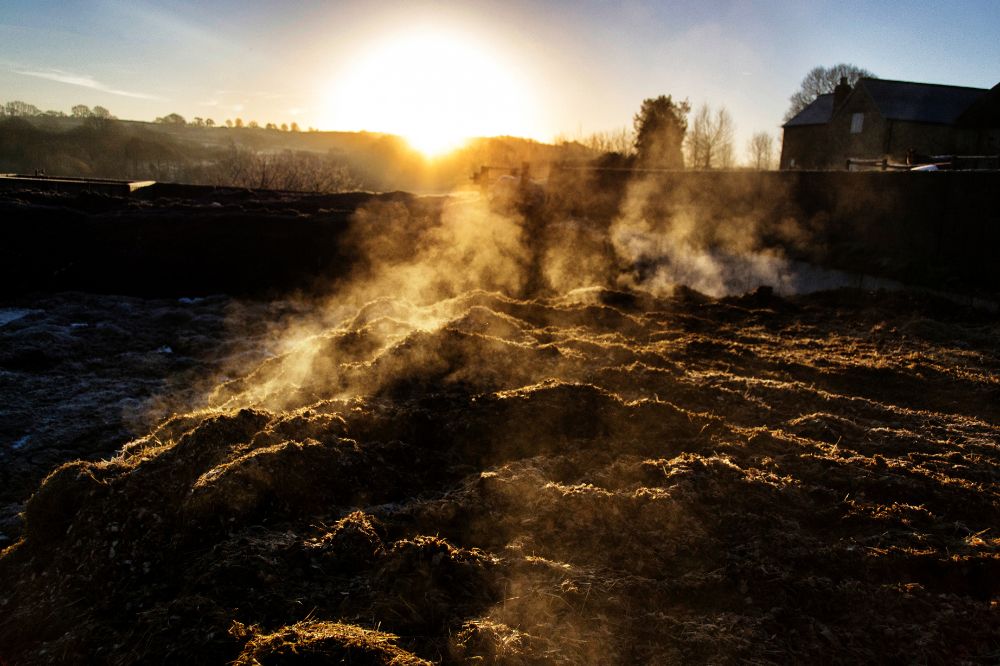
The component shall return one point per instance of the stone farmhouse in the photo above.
(896, 122)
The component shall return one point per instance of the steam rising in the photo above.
(678, 246)
(451, 266)
(506, 438)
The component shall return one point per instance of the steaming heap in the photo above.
(594, 478)
(589, 476)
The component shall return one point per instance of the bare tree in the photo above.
(760, 151)
(101, 112)
(709, 141)
(80, 111)
(822, 80)
(288, 170)
(19, 108)
(613, 141)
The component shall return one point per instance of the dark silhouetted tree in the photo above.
(80, 111)
(284, 127)
(709, 140)
(239, 122)
(822, 80)
(172, 119)
(659, 132)
(199, 121)
(295, 127)
(253, 124)
(209, 122)
(101, 112)
(270, 126)
(19, 108)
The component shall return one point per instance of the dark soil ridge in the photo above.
(598, 478)
(180, 240)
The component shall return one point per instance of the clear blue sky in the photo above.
(581, 66)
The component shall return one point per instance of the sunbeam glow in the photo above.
(433, 88)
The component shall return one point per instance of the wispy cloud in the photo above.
(81, 80)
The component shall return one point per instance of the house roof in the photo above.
(905, 100)
(984, 112)
(920, 102)
(819, 112)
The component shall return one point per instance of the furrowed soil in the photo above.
(599, 477)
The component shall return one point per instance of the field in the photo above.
(599, 476)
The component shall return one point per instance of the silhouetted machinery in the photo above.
(510, 189)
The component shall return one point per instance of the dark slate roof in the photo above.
(920, 102)
(985, 112)
(819, 112)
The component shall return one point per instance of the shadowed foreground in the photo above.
(600, 477)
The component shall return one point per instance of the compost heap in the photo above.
(591, 478)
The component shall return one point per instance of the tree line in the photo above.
(17, 108)
(105, 147)
(662, 137)
(233, 123)
(21, 109)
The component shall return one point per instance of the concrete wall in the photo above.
(103, 186)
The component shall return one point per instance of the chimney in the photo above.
(841, 92)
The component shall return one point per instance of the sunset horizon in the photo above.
(540, 72)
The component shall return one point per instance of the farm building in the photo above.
(896, 121)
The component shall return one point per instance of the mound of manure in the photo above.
(596, 478)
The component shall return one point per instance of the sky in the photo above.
(531, 68)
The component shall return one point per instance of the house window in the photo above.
(857, 122)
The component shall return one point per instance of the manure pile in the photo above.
(602, 477)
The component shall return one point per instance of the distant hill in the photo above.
(255, 157)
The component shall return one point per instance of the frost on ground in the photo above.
(82, 373)
(599, 477)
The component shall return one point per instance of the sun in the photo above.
(435, 89)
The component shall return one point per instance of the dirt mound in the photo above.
(598, 478)
(322, 643)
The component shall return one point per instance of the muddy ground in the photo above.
(596, 477)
